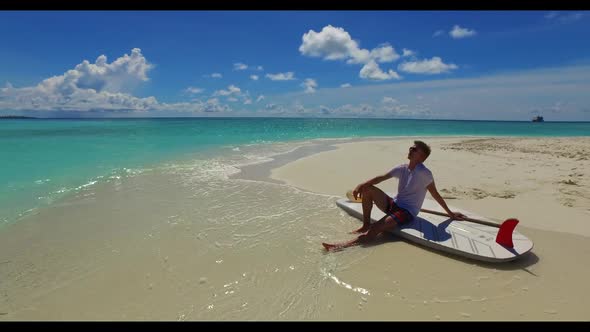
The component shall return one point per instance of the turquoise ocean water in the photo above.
(42, 160)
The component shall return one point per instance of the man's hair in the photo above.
(424, 147)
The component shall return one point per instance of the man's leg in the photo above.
(369, 195)
(385, 224)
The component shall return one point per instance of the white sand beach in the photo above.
(540, 181)
(173, 245)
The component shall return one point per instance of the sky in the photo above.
(468, 65)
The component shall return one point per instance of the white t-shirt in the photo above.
(411, 189)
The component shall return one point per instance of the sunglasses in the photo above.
(413, 149)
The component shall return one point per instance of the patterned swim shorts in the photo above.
(400, 215)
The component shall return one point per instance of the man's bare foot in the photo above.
(329, 246)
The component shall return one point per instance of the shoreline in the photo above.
(262, 171)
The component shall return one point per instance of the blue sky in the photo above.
(484, 65)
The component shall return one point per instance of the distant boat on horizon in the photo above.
(538, 118)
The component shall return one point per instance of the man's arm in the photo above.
(378, 179)
(432, 189)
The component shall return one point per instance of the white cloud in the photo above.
(348, 110)
(405, 111)
(196, 107)
(331, 43)
(123, 74)
(213, 106)
(234, 89)
(89, 86)
(29, 99)
(78, 100)
(234, 94)
(259, 68)
(261, 97)
(302, 111)
(407, 52)
(310, 85)
(288, 76)
(432, 66)
(193, 90)
(389, 100)
(551, 15)
(457, 32)
(362, 110)
(438, 33)
(216, 75)
(254, 77)
(346, 85)
(299, 109)
(384, 53)
(564, 17)
(240, 66)
(372, 71)
(334, 43)
(231, 90)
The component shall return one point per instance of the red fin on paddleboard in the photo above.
(504, 236)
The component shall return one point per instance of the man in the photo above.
(414, 180)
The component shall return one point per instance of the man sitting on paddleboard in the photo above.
(414, 180)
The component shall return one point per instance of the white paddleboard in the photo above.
(459, 237)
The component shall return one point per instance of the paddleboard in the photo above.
(460, 237)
